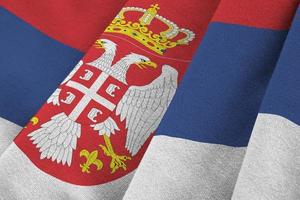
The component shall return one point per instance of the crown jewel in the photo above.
(158, 42)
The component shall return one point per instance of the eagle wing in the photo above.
(54, 98)
(144, 106)
(57, 138)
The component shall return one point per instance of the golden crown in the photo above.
(158, 42)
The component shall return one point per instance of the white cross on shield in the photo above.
(89, 94)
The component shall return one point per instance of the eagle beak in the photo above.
(98, 44)
(145, 64)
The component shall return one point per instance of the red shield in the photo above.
(88, 105)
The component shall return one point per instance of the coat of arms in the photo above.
(97, 98)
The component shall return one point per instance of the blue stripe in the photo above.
(283, 94)
(32, 65)
(219, 97)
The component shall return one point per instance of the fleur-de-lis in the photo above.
(91, 159)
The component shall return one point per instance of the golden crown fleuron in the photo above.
(158, 42)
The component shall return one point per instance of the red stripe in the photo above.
(78, 23)
(75, 23)
(257, 13)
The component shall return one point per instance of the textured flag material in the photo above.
(204, 134)
(273, 152)
(109, 128)
(37, 61)
(94, 128)
(115, 96)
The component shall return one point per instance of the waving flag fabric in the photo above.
(273, 152)
(107, 128)
(90, 135)
(204, 134)
(44, 60)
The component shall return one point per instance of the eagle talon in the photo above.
(118, 162)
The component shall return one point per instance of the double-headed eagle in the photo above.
(141, 106)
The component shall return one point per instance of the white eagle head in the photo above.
(106, 44)
(141, 61)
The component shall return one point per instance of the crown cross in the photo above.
(149, 15)
(140, 31)
(155, 6)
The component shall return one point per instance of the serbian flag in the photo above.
(204, 135)
(40, 44)
(89, 136)
(273, 153)
(135, 118)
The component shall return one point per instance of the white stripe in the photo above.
(8, 131)
(271, 168)
(21, 179)
(174, 168)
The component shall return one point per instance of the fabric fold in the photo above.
(270, 168)
(211, 117)
(112, 129)
(93, 130)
